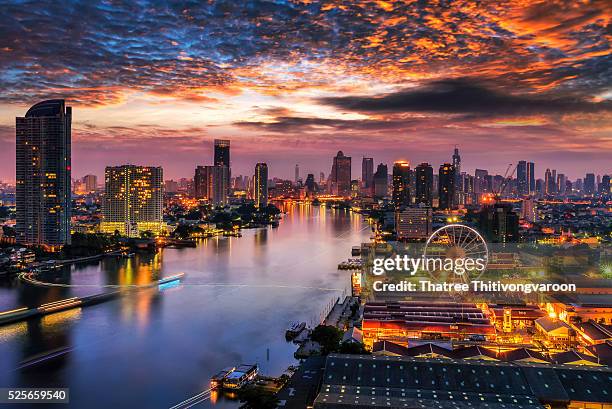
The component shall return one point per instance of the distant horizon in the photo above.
(289, 167)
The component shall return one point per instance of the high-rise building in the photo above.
(401, 184)
(297, 173)
(367, 173)
(589, 184)
(549, 182)
(260, 181)
(133, 200)
(43, 176)
(424, 184)
(480, 181)
(446, 186)
(171, 186)
(341, 175)
(310, 184)
(91, 183)
(210, 183)
(561, 179)
(222, 153)
(531, 177)
(523, 178)
(605, 185)
(381, 181)
(499, 223)
(458, 185)
(222, 158)
(413, 223)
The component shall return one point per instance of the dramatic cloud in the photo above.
(466, 96)
(318, 74)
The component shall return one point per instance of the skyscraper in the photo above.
(549, 182)
(523, 179)
(260, 182)
(43, 175)
(367, 173)
(561, 179)
(480, 181)
(297, 173)
(446, 186)
(458, 185)
(222, 158)
(381, 181)
(589, 183)
(531, 177)
(222, 152)
(341, 175)
(310, 184)
(133, 200)
(401, 184)
(210, 182)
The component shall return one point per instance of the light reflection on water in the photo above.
(155, 349)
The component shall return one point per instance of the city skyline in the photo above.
(369, 79)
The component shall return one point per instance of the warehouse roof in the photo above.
(391, 381)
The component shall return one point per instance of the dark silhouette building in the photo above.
(381, 181)
(341, 175)
(260, 185)
(367, 174)
(43, 149)
(401, 184)
(499, 223)
(446, 186)
(424, 184)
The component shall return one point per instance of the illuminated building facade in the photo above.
(261, 185)
(401, 184)
(210, 183)
(403, 320)
(133, 200)
(446, 186)
(341, 175)
(413, 223)
(43, 155)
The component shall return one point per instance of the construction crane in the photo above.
(507, 178)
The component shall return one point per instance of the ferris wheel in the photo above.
(455, 241)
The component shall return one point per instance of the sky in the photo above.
(154, 82)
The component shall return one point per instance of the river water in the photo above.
(154, 349)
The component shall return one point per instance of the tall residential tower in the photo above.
(43, 174)
(133, 200)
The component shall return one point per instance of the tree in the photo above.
(328, 337)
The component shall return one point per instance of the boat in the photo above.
(216, 381)
(294, 329)
(240, 376)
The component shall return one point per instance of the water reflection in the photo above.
(238, 296)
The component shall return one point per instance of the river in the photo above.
(154, 349)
